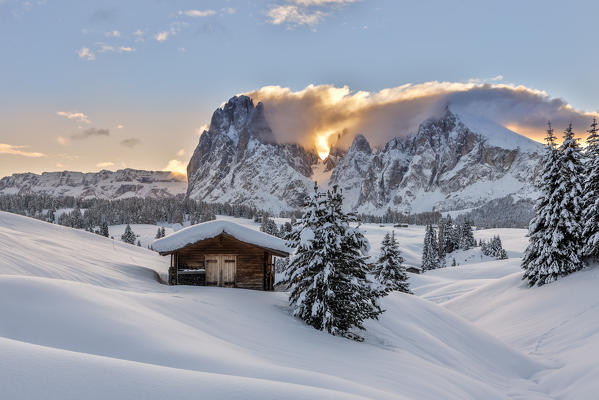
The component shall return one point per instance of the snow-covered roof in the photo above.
(211, 229)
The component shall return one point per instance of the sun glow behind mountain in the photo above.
(322, 144)
(318, 114)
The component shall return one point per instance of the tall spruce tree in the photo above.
(467, 236)
(128, 236)
(450, 239)
(104, 229)
(555, 231)
(430, 254)
(389, 269)
(590, 212)
(328, 276)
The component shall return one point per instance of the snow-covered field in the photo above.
(86, 317)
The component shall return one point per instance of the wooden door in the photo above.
(228, 269)
(212, 269)
(220, 270)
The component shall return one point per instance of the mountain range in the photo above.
(105, 184)
(455, 161)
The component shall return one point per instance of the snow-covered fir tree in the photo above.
(269, 226)
(158, 234)
(494, 248)
(450, 238)
(389, 269)
(441, 240)
(128, 236)
(328, 276)
(555, 231)
(104, 229)
(430, 254)
(590, 212)
(467, 236)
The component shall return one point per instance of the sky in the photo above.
(106, 84)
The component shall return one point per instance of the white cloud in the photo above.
(103, 48)
(162, 36)
(114, 33)
(16, 151)
(293, 15)
(105, 164)
(202, 128)
(77, 116)
(197, 13)
(106, 48)
(229, 10)
(303, 12)
(86, 54)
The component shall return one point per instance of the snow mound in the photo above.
(78, 323)
(558, 321)
(210, 229)
(29, 247)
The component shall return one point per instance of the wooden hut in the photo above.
(221, 253)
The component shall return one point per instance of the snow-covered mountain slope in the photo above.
(452, 162)
(85, 317)
(105, 184)
(446, 165)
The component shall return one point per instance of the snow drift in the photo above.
(85, 317)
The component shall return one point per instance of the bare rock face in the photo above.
(446, 164)
(104, 184)
(238, 161)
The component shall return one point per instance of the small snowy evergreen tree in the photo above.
(590, 213)
(158, 234)
(467, 236)
(128, 236)
(328, 276)
(389, 269)
(430, 255)
(494, 248)
(104, 229)
(555, 231)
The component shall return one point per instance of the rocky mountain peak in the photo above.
(360, 143)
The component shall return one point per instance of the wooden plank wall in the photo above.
(250, 259)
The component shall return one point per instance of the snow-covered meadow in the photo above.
(83, 316)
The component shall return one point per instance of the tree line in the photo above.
(449, 237)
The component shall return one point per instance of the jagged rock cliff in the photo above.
(239, 161)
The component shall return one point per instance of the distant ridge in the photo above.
(120, 184)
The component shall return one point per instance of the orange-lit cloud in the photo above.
(16, 151)
(319, 116)
(176, 167)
